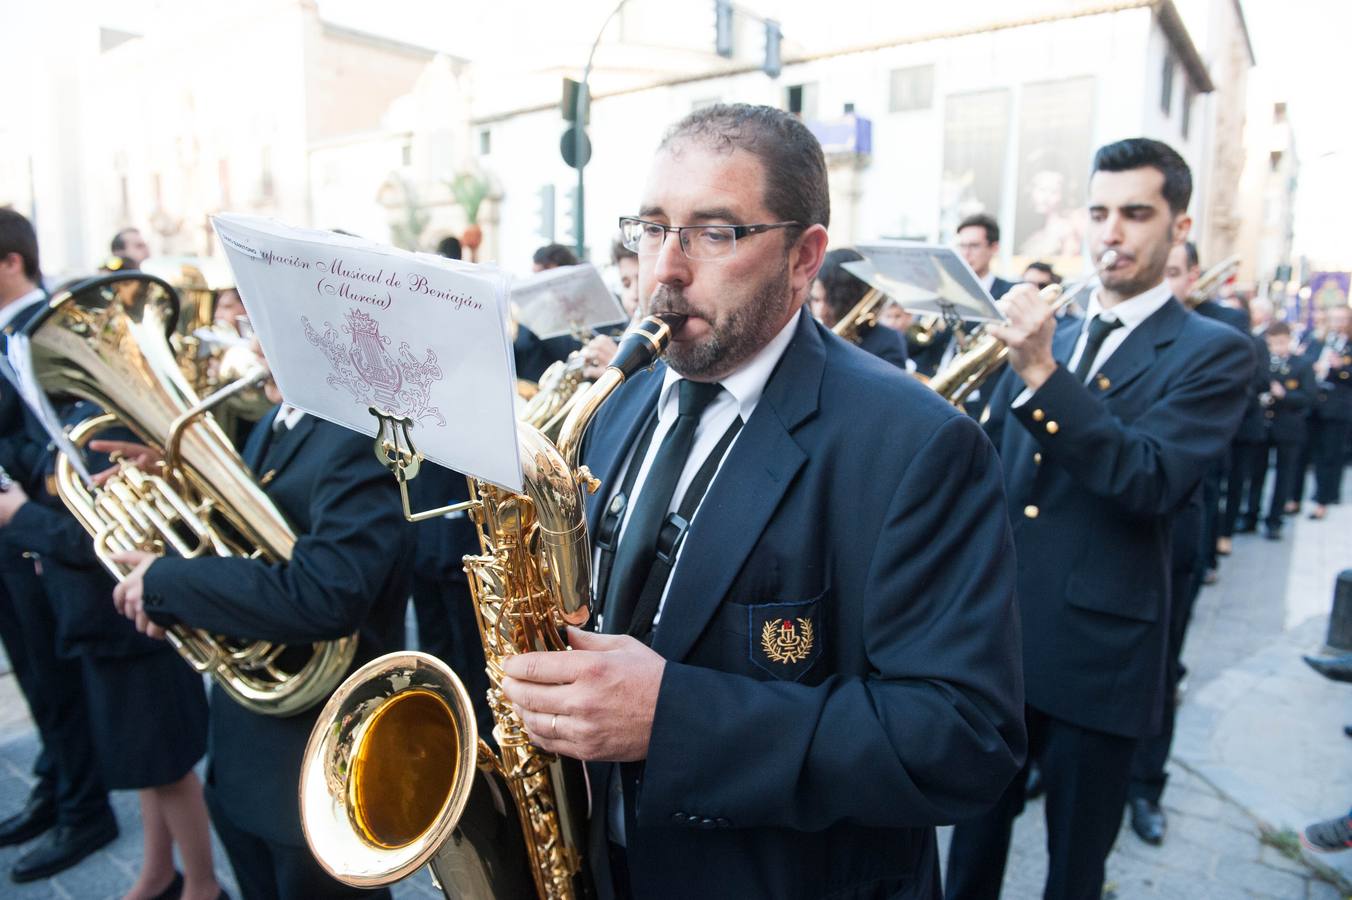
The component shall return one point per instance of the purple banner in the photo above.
(1330, 288)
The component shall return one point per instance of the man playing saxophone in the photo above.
(808, 654)
(350, 571)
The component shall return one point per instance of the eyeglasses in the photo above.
(699, 242)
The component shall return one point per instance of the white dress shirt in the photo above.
(1130, 313)
(287, 417)
(741, 392)
(11, 310)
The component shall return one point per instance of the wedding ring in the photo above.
(554, 726)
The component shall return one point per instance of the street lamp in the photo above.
(580, 149)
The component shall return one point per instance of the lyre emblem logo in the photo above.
(399, 385)
(787, 643)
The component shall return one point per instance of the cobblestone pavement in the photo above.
(1259, 751)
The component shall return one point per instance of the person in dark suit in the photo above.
(978, 240)
(831, 668)
(1333, 412)
(1104, 433)
(68, 807)
(1309, 345)
(349, 572)
(1193, 555)
(1283, 407)
(835, 292)
(147, 711)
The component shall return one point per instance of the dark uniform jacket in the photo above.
(1095, 475)
(1335, 392)
(884, 343)
(533, 355)
(1285, 417)
(349, 572)
(843, 655)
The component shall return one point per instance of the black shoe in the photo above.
(1147, 820)
(63, 847)
(1035, 786)
(1245, 526)
(174, 890)
(1272, 532)
(37, 816)
(1334, 668)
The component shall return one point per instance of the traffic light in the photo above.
(773, 37)
(723, 28)
(571, 99)
(546, 197)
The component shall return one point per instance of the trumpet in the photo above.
(985, 353)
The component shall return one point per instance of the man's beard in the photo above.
(1149, 273)
(737, 335)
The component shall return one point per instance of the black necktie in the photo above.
(638, 547)
(1098, 332)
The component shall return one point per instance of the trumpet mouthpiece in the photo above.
(1107, 259)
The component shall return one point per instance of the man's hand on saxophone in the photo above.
(595, 702)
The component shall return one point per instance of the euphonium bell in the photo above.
(107, 340)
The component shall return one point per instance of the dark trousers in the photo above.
(1086, 773)
(55, 691)
(1212, 484)
(1328, 442)
(1148, 775)
(1235, 482)
(16, 649)
(268, 871)
(1283, 481)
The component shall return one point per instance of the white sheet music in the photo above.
(925, 278)
(566, 300)
(347, 324)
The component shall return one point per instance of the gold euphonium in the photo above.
(107, 340)
(395, 775)
(1210, 281)
(862, 315)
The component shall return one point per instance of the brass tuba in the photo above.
(107, 340)
(395, 776)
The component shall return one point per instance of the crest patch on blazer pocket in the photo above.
(785, 639)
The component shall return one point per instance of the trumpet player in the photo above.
(1105, 431)
(349, 572)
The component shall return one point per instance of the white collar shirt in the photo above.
(741, 392)
(1130, 313)
(287, 418)
(11, 311)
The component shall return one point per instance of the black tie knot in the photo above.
(1099, 328)
(695, 396)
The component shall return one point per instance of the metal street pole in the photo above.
(580, 135)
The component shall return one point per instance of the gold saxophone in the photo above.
(107, 340)
(395, 775)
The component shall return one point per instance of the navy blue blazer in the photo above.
(842, 644)
(1335, 393)
(1285, 417)
(350, 571)
(1096, 474)
(884, 343)
(23, 443)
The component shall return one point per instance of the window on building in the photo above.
(912, 88)
(1275, 160)
(406, 154)
(1189, 95)
(485, 142)
(1167, 83)
(801, 100)
(1278, 113)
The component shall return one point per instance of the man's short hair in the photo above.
(449, 247)
(843, 290)
(119, 242)
(795, 188)
(1046, 269)
(17, 236)
(1143, 153)
(554, 255)
(1278, 328)
(1190, 250)
(619, 251)
(981, 220)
